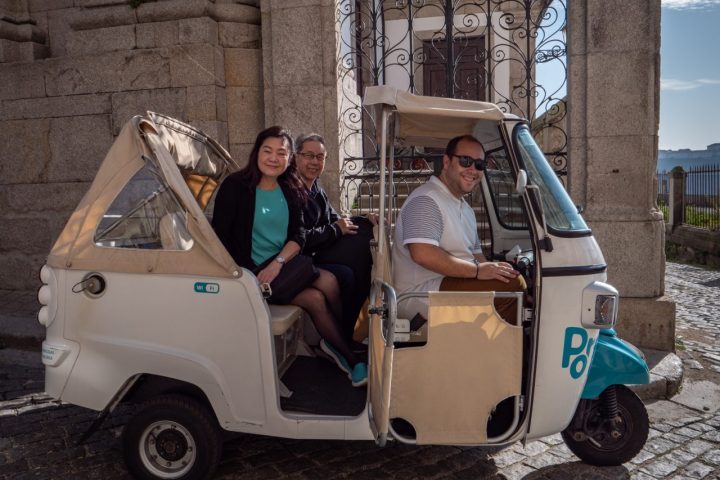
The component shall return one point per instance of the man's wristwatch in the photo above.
(280, 259)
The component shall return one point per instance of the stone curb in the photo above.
(666, 374)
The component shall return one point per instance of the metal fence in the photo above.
(663, 198)
(487, 50)
(700, 199)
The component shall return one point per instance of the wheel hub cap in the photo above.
(167, 449)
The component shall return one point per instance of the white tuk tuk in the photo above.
(142, 303)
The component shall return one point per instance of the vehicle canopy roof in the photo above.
(433, 121)
(190, 164)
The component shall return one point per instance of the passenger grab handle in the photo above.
(387, 311)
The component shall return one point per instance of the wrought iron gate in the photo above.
(488, 50)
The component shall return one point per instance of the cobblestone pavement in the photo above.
(697, 295)
(38, 436)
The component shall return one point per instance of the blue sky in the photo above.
(690, 74)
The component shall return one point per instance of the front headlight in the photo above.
(605, 311)
(599, 305)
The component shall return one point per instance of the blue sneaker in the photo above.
(335, 355)
(359, 375)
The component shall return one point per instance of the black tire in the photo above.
(599, 447)
(172, 436)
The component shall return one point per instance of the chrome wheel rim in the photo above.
(167, 449)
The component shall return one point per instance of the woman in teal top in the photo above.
(258, 217)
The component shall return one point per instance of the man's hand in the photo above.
(347, 227)
(502, 271)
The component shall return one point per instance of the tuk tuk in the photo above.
(143, 304)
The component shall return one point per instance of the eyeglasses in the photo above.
(465, 162)
(309, 156)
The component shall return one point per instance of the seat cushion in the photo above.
(282, 317)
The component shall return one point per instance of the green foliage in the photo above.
(136, 3)
(702, 217)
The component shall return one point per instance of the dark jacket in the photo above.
(234, 215)
(320, 217)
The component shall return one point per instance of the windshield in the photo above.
(561, 214)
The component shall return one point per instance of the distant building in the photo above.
(686, 158)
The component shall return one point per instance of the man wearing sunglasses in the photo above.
(437, 246)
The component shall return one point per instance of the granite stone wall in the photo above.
(72, 72)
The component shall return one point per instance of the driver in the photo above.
(437, 246)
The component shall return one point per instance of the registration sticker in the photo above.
(204, 287)
(53, 355)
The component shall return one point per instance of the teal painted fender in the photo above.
(615, 362)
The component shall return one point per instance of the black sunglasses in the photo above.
(465, 162)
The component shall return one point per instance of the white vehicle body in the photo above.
(132, 297)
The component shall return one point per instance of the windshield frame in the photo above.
(492, 192)
(568, 233)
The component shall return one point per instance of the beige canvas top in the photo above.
(181, 152)
(431, 121)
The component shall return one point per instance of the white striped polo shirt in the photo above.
(432, 215)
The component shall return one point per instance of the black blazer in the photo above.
(320, 217)
(234, 215)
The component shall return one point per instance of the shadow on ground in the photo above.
(572, 470)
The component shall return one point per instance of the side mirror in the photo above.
(521, 182)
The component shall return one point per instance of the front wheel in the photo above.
(609, 430)
(172, 437)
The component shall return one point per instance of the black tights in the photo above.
(321, 301)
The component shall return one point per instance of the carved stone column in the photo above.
(300, 75)
(614, 88)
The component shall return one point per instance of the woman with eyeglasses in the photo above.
(326, 229)
(258, 217)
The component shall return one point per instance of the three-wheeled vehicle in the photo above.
(142, 303)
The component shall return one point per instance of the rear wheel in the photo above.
(609, 430)
(172, 437)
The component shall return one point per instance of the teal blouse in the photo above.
(270, 224)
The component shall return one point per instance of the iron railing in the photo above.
(663, 194)
(700, 196)
(494, 52)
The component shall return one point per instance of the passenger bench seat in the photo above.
(282, 317)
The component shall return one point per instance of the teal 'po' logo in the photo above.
(576, 351)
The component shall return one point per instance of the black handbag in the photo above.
(350, 250)
(295, 276)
